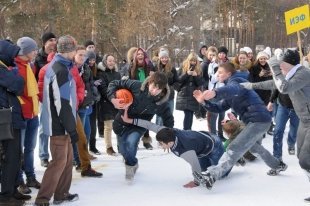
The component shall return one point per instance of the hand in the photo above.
(247, 85)
(194, 73)
(191, 184)
(74, 138)
(118, 103)
(209, 94)
(198, 96)
(97, 82)
(125, 117)
(269, 106)
(189, 72)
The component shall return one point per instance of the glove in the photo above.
(74, 138)
(247, 85)
(274, 64)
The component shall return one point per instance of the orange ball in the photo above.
(125, 95)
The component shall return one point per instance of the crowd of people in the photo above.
(64, 92)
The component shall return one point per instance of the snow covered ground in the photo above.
(161, 176)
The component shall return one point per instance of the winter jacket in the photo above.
(245, 103)
(185, 99)
(27, 106)
(107, 110)
(144, 106)
(59, 99)
(297, 87)
(41, 75)
(87, 77)
(40, 61)
(254, 76)
(205, 75)
(11, 84)
(172, 78)
(147, 69)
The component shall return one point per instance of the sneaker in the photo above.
(4, 200)
(271, 128)
(307, 200)
(101, 136)
(148, 146)
(42, 204)
(19, 196)
(33, 182)
(282, 167)
(249, 156)
(95, 151)
(110, 151)
(291, 151)
(23, 188)
(44, 162)
(78, 168)
(241, 162)
(68, 198)
(205, 179)
(89, 172)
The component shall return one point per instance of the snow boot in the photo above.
(281, 167)
(131, 171)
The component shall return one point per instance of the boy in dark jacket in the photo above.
(149, 98)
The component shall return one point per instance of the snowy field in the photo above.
(161, 176)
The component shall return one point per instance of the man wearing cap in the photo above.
(49, 45)
(291, 78)
(58, 116)
(30, 109)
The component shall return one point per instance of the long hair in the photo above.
(186, 63)
(134, 65)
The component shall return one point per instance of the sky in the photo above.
(160, 178)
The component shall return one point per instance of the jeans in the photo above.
(188, 119)
(283, 114)
(212, 117)
(246, 140)
(28, 144)
(159, 120)
(128, 144)
(85, 118)
(43, 142)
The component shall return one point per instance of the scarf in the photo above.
(32, 89)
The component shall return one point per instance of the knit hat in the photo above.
(47, 36)
(278, 53)
(90, 55)
(268, 51)
(291, 56)
(165, 135)
(247, 49)
(66, 44)
(223, 49)
(262, 54)
(88, 42)
(163, 53)
(27, 45)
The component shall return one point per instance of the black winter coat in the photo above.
(185, 99)
(106, 109)
(144, 105)
(90, 93)
(40, 61)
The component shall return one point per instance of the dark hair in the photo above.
(165, 135)
(159, 79)
(228, 67)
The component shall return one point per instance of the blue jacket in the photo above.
(246, 103)
(59, 99)
(11, 84)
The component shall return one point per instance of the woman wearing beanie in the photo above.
(190, 79)
(30, 109)
(222, 55)
(164, 65)
(106, 73)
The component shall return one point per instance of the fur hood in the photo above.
(103, 65)
(164, 95)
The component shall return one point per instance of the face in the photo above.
(222, 55)
(79, 57)
(250, 55)
(154, 90)
(71, 55)
(140, 57)
(211, 55)
(242, 59)
(50, 45)
(91, 62)
(164, 145)
(164, 60)
(222, 74)
(285, 68)
(262, 60)
(90, 48)
(193, 62)
(110, 62)
(203, 51)
(32, 55)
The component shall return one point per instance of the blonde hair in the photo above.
(186, 63)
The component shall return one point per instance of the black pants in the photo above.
(10, 166)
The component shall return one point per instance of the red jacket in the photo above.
(27, 107)
(80, 87)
